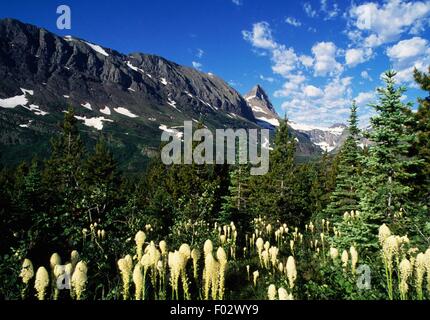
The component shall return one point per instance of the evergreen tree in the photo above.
(275, 193)
(235, 203)
(100, 181)
(421, 145)
(384, 189)
(345, 197)
(63, 181)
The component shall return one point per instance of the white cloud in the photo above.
(197, 65)
(356, 56)
(284, 59)
(364, 98)
(199, 53)
(407, 55)
(309, 104)
(307, 61)
(309, 10)
(305, 101)
(330, 11)
(260, 36)
(365, 75)
(313, 92)
(237, 2)
(292, 86)
(268, 79)
(385, 23)
(325, 59)
(293, 21)
(408, 49)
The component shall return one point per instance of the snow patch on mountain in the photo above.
(125, 112)
(273, 121)
(96, 122)
(36, 110)
(27, 125)
(87, 105)
(13, 102)
(171, 131)
(326, 138)
(106, 111)
(97, 48)
(130, 65)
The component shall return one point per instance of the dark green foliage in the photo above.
(421, 145)
(65, 202)
(345, 197)
(275, 194)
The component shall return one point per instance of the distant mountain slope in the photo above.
(328, 139)
(262, 108)
(267, 117)
(131, 98)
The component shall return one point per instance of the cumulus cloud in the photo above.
(293, 21)
(312, 91)
(307, 61)
(284, 59)
(407, 55)
(325, 59)
(408, 49)
(364, 98)
(325, 105)
(379, 24)
(237, 2)
(355, 56)
(260, 36)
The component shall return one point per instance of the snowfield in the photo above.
(13, 102)
(106, 111)
(96, 122)
(272, 121)
(97, 49)
(125, 112)
(36, 110)
(172, 131)
(87, 106)
(26, 125)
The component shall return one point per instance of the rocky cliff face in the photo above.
(130, 98)
(328, 139)
(72, 71)
(263, 110)
(267, 117)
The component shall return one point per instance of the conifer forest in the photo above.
(350, 225)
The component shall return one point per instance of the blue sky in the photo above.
(312, 57)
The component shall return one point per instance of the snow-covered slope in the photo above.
(327, 139)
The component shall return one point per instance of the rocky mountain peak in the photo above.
(261, 107)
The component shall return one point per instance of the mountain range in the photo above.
(130, 98)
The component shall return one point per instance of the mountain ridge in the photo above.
(131, 98)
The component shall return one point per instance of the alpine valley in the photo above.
(129, 98)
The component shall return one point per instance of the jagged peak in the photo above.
(258, 91)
